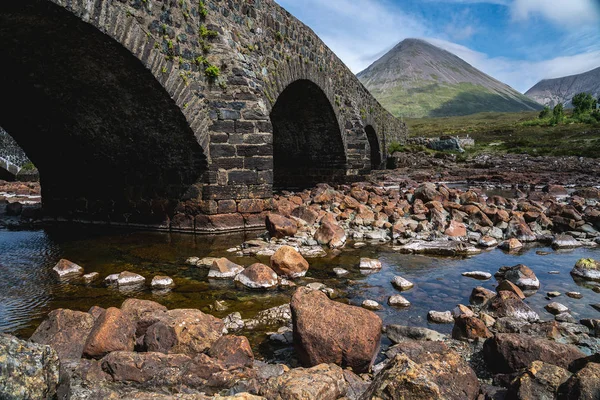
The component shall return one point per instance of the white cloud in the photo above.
(568, 13)
(521, 74)
(361, 31)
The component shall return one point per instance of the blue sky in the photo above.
(518, 42)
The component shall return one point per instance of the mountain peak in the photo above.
(418, 79)
(551, 92)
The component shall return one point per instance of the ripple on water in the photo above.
(28, 290)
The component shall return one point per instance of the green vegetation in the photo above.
(432, 99)
(207, 33)
(28, 167)
(522, 133)
(584, 103)
(212, 72)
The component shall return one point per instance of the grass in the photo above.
(521, 133)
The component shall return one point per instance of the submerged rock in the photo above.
(65, 268)
(440, 248)
(326, 331)
(222, 268)
(480, 275)
(257, 276)
(27, 370)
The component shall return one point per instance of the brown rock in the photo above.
(428, 192)
(331, 234)
(233, 351)
(584, 385)
(306, 213)
(509, 352)
(511, 245)
(539, 381)
(147, 368)
(456, 229)
(159, 337)
(142, 313)
(481, 295)
(289, 263)
(222, 268)
(322, 382)
(65, 331)
(257, 276)
(469, 328)
(113, 331)
(279, 226)
(510, 287)
(326, 331)
(508, 304)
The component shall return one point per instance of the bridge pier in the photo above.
(181, 115)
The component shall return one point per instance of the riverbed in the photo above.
(28, 290)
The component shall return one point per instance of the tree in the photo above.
(584, 103)
(558, 114)
(545, 113)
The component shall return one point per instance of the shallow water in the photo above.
(28, 290)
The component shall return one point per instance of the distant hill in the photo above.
(417, 79)
(551, 92)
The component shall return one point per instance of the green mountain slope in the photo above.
(417, 79)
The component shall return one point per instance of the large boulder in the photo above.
(146, 368)
(509, 352)
(321, 382)
(587, 268)
(27, 370)
(584, 385)
(539, 381)
(508, 304)
(112, 331)
(183, 331)
(326, 331)
(441, 366)
(257, 276)
(289, 263)
(65, 331)
(143, 313)
(280, 226)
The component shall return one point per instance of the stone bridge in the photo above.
(180, 114)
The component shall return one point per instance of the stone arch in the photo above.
(375, 148)
(109, 139)
(308, 145)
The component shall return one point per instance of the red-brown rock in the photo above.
(113, 331)
(287, 262)
(326, 331)
(233, 351)
(469, 328)
(279, 226)
(66, 331)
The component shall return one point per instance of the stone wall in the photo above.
(223, 67)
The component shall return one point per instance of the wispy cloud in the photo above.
(567, 13)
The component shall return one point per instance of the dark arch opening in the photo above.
(106, 137)
(376, 158)
(307, 142)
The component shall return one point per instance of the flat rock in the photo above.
(321, 382)
(441, 248)
(400, 333)
(127, 278)
(440, 317)
(480, 275)
(556, 308)
(370, 264)
(565, 242)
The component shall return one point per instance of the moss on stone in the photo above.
(588, 263)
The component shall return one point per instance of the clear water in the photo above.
(28, 290)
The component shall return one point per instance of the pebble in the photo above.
(574, 295)
(402, 284)
(480, 275)
(371, 305)
(440, 317)
(398, 301)
(340, 271)
(556, 308)
(554, 272)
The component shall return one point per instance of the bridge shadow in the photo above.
(108, 140)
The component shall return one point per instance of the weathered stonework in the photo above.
(181, 115)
